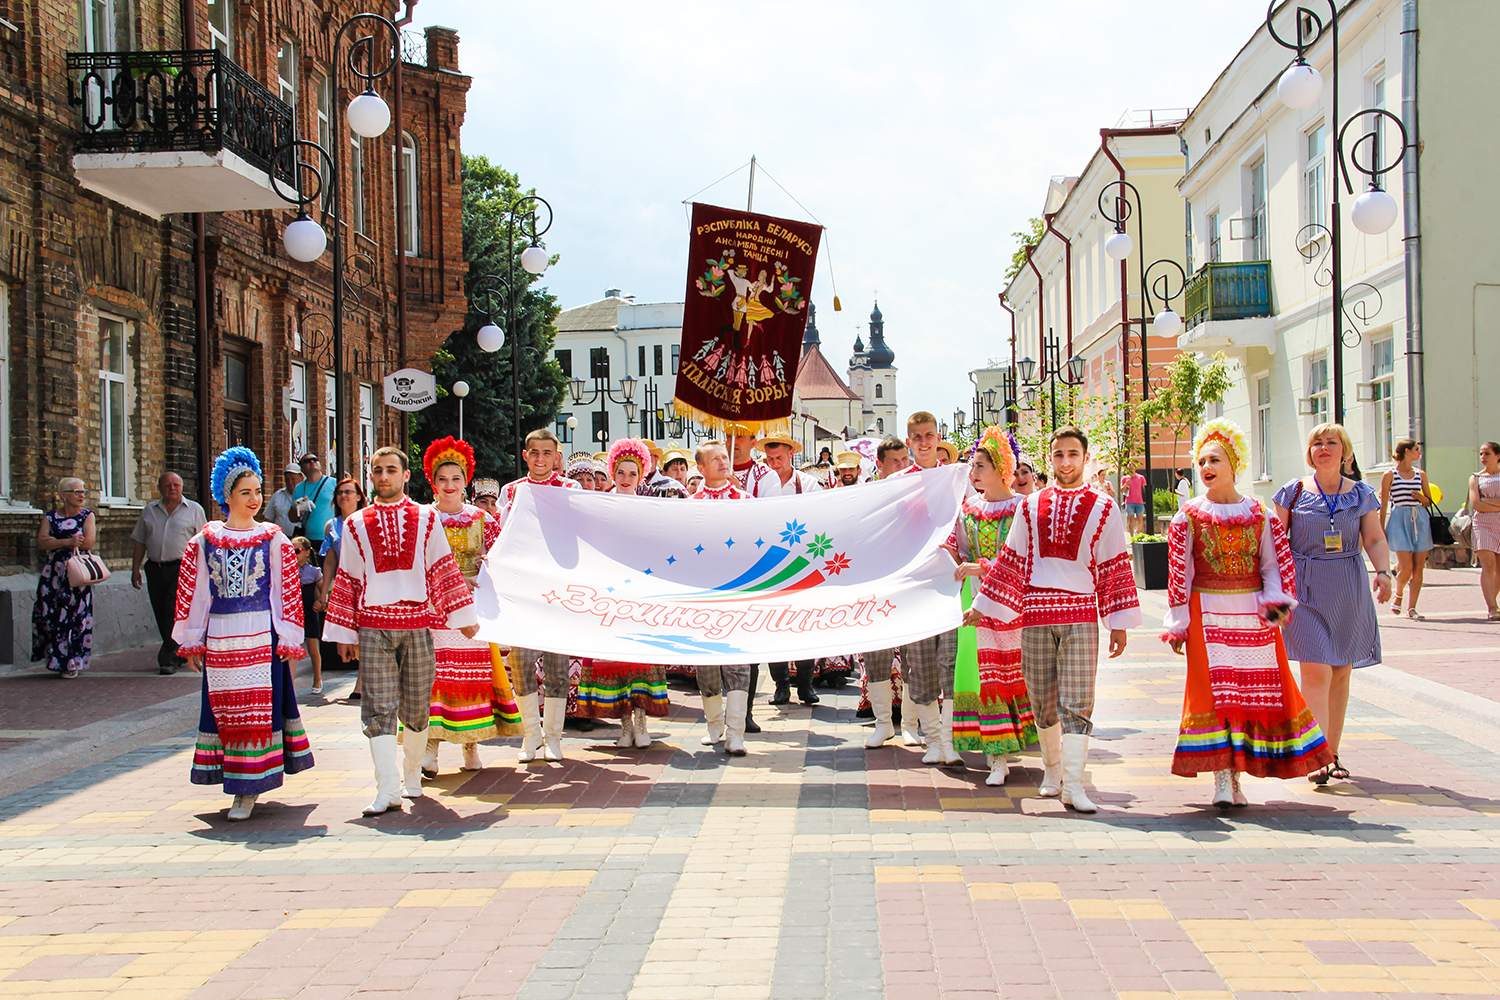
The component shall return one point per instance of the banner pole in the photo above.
(750, 199)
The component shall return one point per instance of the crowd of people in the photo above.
(385, 584)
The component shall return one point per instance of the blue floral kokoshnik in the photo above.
(228, 467)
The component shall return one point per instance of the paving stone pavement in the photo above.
(810, 869)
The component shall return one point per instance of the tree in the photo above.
(1113, 440)
(1027, 240)
(1193, 384)
(489, 191)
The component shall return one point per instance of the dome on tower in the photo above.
(879, 355)
(810, 338)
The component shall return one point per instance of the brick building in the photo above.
(151, 314)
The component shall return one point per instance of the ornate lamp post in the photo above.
(604, 395)
(460, 390)
(1052, 373)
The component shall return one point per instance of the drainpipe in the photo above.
(1416, 389)
(1009, 413)
(1041, 305)
(1104, 137)
(1068, 277)
(200, 300)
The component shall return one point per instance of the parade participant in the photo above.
(580, 469)
(654, 482)
(786, 481)
(238, 620)
(601, 476)
(725, 689)
(891, 457)
(991, 709)
(1064, 565)
(749, 473)
(1024, 484)
(674, 462)
(846, 469)
(396, 579)
(694, 481)
(486, 493)
(1230, 586)
(612, 689)
(543, 730)
(471, 698)
(922, 440)
(947, 453)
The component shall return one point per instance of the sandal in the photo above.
(1414, 616)
(1396, 606)
(1321, 775)
(1495, 616)
(1338, 770)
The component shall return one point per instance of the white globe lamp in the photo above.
(1300, 86)
(304, 239)
(534, 259)
(1375, 211)
(572, 423)
(1167, 323)
(460, 388)
(369, 115)
(491, 338)
(1119, 246)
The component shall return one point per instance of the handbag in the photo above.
(1442, 529)
(86, 569)
(1463, 524)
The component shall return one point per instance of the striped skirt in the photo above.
(609, 689)
(991, 707)
(471, 699)
(255, 767)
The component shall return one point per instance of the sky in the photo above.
(922, 136)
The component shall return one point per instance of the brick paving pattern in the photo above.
(810, 869)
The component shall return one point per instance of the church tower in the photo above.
(872, 375)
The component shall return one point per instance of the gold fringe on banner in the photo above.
(721, 425)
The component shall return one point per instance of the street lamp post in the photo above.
(305, 239)
(1375, 210)
(680, 427)
(604, 395)
(460, 390)
(1052, 373)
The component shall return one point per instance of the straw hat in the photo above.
(846, 460)
(601, 457)
(950, 449)
(780, 437)
(673, 454)
(653, 448)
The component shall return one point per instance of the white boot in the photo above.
(553, 710)
(1239, 794)
(387, 776)
(240, 810)
(713, 719)
(429, 759)
(1075, 754)
(998, 769)
(736, 703)
(911, 726)
(642, 732)
(471, 757)
(531, 722)
(1223, 788)
(930, 722)
(414, 747)
(627, 734)
(880, 704)
(950, 756)
(1050, 739)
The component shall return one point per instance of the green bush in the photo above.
(1143, 537)
(1166, 503)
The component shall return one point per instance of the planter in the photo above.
(1150, 562)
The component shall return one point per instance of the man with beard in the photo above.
(846, 469)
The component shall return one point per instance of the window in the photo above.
(237, 398)
(297, 411)
(564, 432)
(5, 390)
(1317, 389)
(879, 391)
(331, 423)
(410, 187)
(114, 428)
(600, 425)
(1263, 426)
(1383, 384)
(656, 359)
(1187, 226)
(220, 27)
(880, 424)
(641, 358)
(564, 361)
(325, 133)
(286, 73)
(1315, 178)
(1258, 248)
(1215, 243)
(101, 24)
(1377, 100)
(357, 183)
(366, 429)
(598, 362)
(676, 353)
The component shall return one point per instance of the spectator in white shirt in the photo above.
(162, 531)
(279, 507)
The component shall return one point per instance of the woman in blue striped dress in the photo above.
(1329, 518)
(1404, 498)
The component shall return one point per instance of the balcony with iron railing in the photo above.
(176, 131)
(1229, 305)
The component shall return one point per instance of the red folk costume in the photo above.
(471, 694)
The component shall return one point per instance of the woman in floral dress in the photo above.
(62, 620)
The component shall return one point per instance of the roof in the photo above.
(816, 378)
(601, 315)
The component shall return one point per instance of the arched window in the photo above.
(410, 187)
(880, 424)
(879, 391)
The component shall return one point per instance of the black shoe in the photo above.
(782, 695)
(806, 695)
(750, 726)
(167, 669)
(354, 696)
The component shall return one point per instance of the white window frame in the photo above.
(1320, 395)
(1377, 93)
(1315, 176)
(1263, 426)
(411, 186)
(297, 411)
(1215, 238)
(1383, 405)
(325, 132)
(109, 490)
(286, 61)
(222, 37)
(356, 182)
(1259, 247)
(366, 430)
(331, 425)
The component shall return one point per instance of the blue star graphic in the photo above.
(794, 532)
(730, 543)
(648, 572)
(671, 560)
(698, 549)
(759, 542)
(610, 590)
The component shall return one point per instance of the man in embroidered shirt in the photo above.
(543, 730)
(725, 689)
(1064, 565)
(747, 470)
(395, 573)
(785, 480)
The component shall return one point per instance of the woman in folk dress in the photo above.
(1230, 586)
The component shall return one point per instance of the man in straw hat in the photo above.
(846, 469)
(786, 479)
(747, 469)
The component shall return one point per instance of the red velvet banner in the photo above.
(749, 278)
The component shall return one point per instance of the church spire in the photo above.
(879, 355)
(810, 339)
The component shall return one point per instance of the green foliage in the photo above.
(1164, 502)
(1192, 385)
(1026, 238)
(489, 192)
(1112, 440)
(1143, 537)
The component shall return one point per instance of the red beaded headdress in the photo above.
(446, 451)
(629, 450)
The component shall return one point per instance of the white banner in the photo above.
(724, 581)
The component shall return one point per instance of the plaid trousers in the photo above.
(927, 667)
(522, 663)
(396, 669)
(716, 680)
(878, 663)
(1060, 664)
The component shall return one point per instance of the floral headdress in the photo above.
(579, 466)
(448, 451)
(1001, 447)
(228, 468)
(629, 450)
(1227, 435)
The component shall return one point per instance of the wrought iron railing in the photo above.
(1229, 291)
(200, 100)
(414, 47)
